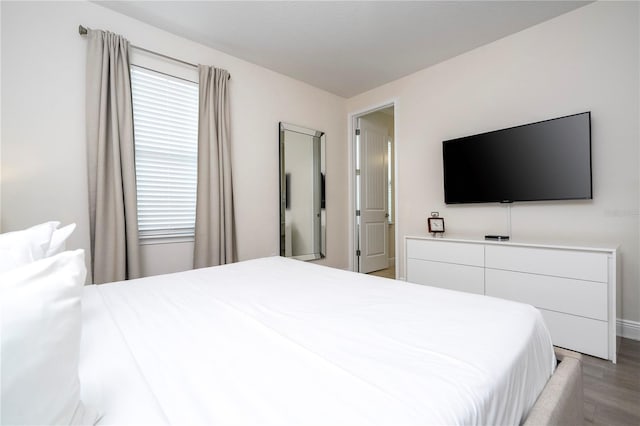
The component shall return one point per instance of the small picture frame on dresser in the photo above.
(435, 225)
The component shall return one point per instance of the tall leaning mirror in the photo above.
(302, 203)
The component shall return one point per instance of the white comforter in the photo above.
(275, 341)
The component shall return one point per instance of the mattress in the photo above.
(276, 341)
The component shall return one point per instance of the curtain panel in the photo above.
(111, 162)
(214, 229)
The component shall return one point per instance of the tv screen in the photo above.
(548, 160)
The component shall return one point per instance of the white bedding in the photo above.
(276, 341)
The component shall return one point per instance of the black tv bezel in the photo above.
(590, 197)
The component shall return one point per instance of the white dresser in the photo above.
(573, 287)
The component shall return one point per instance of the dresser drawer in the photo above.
(440, 251)
(560, 263)
(583, 298)
(446, 275)
(580, 334)
(573, 287)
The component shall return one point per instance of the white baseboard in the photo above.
(628, 329)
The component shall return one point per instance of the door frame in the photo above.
(353, 230)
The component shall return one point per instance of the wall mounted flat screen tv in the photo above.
(547, 160)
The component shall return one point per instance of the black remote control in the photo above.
(496, 237)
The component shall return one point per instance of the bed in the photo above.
(276, 341)
(266, 341)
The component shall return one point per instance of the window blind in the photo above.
(165, 117)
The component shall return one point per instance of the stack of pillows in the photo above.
(40, 326)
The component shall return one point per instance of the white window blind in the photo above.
(165, 117)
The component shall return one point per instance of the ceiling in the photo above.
(345, 48)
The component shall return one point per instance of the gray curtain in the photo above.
(111, 163)
(214, 230)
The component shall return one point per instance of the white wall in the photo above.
(43, 133)
(586, 60)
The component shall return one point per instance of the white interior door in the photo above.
(374, 229)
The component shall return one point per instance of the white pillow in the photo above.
(20, 247)
(40, 319)
(58, 239)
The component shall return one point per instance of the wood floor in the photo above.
(390, 272)
(612, 391)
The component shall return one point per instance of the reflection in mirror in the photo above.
(302, 202)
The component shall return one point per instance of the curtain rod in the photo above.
(83, 32)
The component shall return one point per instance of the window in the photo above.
(165, 117)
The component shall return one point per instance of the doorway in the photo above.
(374, 189)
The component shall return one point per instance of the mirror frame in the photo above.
(319, 193)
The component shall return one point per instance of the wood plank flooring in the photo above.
(612, 391)
(390, 272)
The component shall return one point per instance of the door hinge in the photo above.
(358, 253)
(357, 132)
(357, 213)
